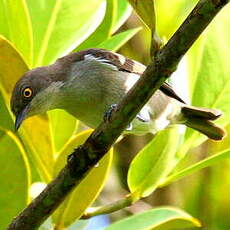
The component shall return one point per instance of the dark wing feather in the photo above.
(168, 90)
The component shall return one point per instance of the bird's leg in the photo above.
(109, 112)
(108, 115)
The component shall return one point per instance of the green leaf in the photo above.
(103, 31)
(117, 12)
(87, 191)
(35, 132)
(115, 42)
(213, 69)
(16, 27)
(12, 67)
(63, 126)
(14, 177)
(124, 10)
(153, 163)
(170, 15)
(210, 81)
(209, 161)
(146, 11)
(158, 219)
(59, 26)
(36, 137)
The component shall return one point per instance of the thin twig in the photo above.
(105, 135)
(115, 206)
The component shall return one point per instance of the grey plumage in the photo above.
(86, 83)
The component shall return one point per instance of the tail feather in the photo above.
(209, 114)
(200, 120)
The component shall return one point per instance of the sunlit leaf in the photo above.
(164, 218)
(63, 126)
(35, 131)
(146, 11)
(115, 42)
(213, 71)
(170, 14)
(14, 177)
(209, 161)
(12, 67)
(124, 10)
(210, 81)
(153, 163)
(16, 26)
(87, 191)
(59, 26)
(103, 31)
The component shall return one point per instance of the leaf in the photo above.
(209, 161)
(115, 42)
(12, 67)
(63, 126)
(146, 11)
(211, 83)
(16, 27)
(153, 163)
(117, 12)
(213, 70)
(35, 137)
(87, 191)
(124, 10)
(14, 177)
(171, 14)
(103, 31)
(35, 132)
(59, 26)
(158, 218)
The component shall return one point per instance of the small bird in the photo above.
(88, 82)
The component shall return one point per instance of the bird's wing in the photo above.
(124, 64)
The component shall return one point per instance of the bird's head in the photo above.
(33, 94)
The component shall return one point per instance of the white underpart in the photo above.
(90, 57)
(131, 80)
(163, 121)
(145, 113)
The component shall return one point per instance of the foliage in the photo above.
(35, 33)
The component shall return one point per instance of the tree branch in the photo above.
(96, 146)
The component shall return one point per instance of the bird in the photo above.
(87, 83)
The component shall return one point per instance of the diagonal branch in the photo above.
(96, 146)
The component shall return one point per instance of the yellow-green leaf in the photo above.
(63, 126)
(164, 218)
(59, 26)
(15, 25)
(35, 131)
(115, 42)
(146, 11)
(87, 191)
(153, 163)
(14, 177)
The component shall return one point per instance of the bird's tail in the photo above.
(201, 119)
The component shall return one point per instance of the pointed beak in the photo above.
(20, 117)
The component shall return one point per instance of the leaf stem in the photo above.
(117, 205)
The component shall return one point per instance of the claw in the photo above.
(109, 112)
(130, 127)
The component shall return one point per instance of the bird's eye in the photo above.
(27, 92)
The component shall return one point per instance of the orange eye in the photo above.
(27, 92)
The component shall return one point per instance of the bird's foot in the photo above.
(130, 127)
(71, 156)
(109, 112)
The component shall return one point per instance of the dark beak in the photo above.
(20, 117)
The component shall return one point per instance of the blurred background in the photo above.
(38, 151)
